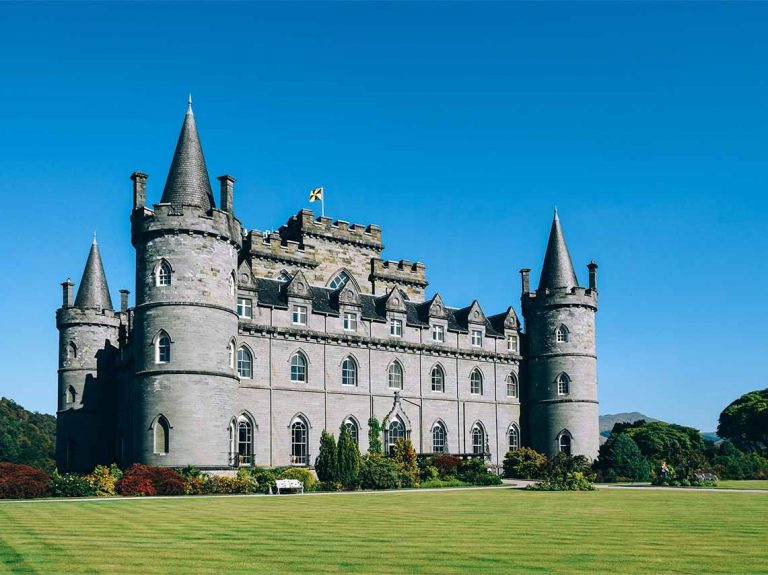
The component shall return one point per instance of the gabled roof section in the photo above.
(93, 291)
(557, 271)
(470, 314)
(299, 286)
(436, 307)
(504, 320)
(395, 300)
(188, 183)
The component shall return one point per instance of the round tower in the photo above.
(561, 358)
(184, 384)
(88, 340)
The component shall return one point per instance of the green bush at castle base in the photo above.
(566, 473)
(302, 474)
(71, 485)
(525, 463)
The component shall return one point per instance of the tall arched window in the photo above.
(563, 384)
(70, 395)
(354, 430)
(564, 442)
(299, 442)
(339, 280)
(244, 362)
(514, 437)
(562, 333)
(512, 387)
(232, 283)
(395, 431)
(478, 439)
(438, 379)
(438, 437)
(163, 274)
(298, 368)
(476, 382)
(244, 444)
(395, 375)
(231, 354)
(161, 431)
(71, 350)
(348, 371)
(163, 348)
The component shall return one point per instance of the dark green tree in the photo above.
(620, 457)
(680, 446)
(374, 436)
(745, 421)
(348, 459)
(326, 464)
(26, 437)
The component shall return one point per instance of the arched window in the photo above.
(231, 354)
(564, 442)
(563, 384)
(348, 371)
(284, 277)
(562, 333)
(478, 439)
(71, 350)
(438, 379)
(163, 274)
(354, 429)
(232, 283)
(243, 444)
(395, 431)
(514, 437)
(438, 437)
(339, 280)
(299, 442)
(476, 382)
(244, 362)
(298, 368)
(162, 434)
(163, 348)
(512, 387)
(395, 375)
(70, 395)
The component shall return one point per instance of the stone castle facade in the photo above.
(242, 347)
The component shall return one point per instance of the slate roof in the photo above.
(188, 183)
(557, 271)
(93, 291)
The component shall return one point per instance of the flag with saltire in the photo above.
(316, 195)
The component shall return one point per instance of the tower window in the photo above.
(561, 334)
(438, 333)
(244, 362)
(231, 354)
(162, 436)
(70, 395)
(163, 351)
(350, 321)
(232, 283)
(564, 442)
(438, 379)
(395, 375)
(298, 368)
(299, 316)
(512, 385)
(348, 372)
(71, 350)
(396, 327)
(244, 307)
(563, 384)
(477, 338)
(476, 382)
(163, 277)
(438, 438)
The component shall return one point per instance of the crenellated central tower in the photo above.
(185, 321)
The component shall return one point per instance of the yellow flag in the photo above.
(316, 195)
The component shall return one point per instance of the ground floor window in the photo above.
(353, 429)
(564, 443)
(241, 441)
(514, 438)
(395, 431)
(438, 438)
(478, 439)
(299, 443)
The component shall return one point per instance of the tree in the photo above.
(374, 436)
(680, 446)
(25, 437)
(404, 457)
(348, 459)
(620, 457)
(326, 464)
(524, 463)
(745, 421)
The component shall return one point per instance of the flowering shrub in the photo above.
(103, 480)
(22, 482)
(162, 480)
(70, 485)
(243, 482)
(135, 485)
(446, 465)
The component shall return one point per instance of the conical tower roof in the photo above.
(188, 183)
(93, 291)
(557, 271)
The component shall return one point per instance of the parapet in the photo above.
(306, 224)
(399, 272)
(68, 316)
(561, 296)
(271, 246)
(185, 219)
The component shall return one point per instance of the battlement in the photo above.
(561, 296)
(402, 271)
(270, 245)
(306, 224)
(187, 219)
(68, 316)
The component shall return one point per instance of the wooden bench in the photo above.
(292, 484)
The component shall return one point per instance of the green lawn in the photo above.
(745, 484)
(486, 531)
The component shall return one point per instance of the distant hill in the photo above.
(608, 421)
(27, 437)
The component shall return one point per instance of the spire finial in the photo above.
(189, 102)
(556, 216)
(94, 238)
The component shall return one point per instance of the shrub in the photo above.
(197, 485)
(374, 436)
(524, 463)
(573, 481)
(378, 472)
(446, 465)
(70, 485)
(326, 463)
(489, 479)
(23, 482)
(265, 479)
(404, 458)
(163, 481)
(429, 473)
(103, 480)
(620, 458)
(566, 473)
(241, 483)
(348, 462)
(136, 486)
(329, 486)
(436, 483)
(472, 470)
(302, 474)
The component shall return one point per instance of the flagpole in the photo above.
(322, 204)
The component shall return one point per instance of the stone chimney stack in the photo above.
(525, 275)
(227, 193)
(68, 293)
(124, 300)
(139, 190)
(592, 267)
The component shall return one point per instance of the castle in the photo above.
(242, 347)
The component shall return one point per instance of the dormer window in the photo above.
(284, 276)
(339, 280)
(350, 321)
(244, 308)
(513, 344)
(477, 338)
(438, 333)
(299, 316)
(163, 277)
(396, 327)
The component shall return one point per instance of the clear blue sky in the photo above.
(456, 127)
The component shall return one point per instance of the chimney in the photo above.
(525, 275)
(592, 267)
(124, 300)
(139, 190)
(68, 293)
(227, 193)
